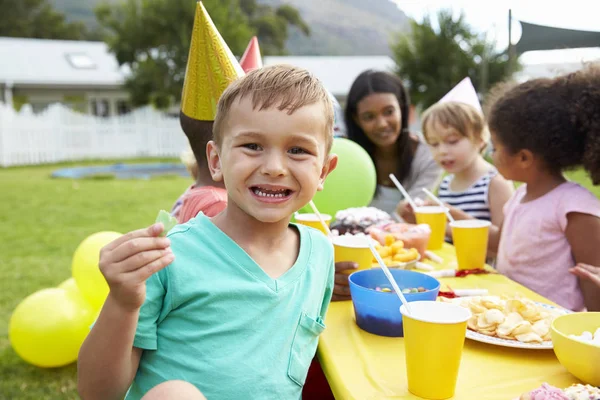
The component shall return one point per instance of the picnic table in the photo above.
(360, 365)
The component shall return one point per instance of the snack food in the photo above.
(393, 253)
(420, 289)
(545, 392)
(413, 236)
(515, 318)
(574, 392)
(167, 220)
(582, 392)
(358, 219)
(588, 337)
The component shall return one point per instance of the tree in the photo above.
(271, 24)
(36, 19)
(433, 60)
(152, 38)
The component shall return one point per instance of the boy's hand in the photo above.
(587, 272)
(341, 289)
(127, 262)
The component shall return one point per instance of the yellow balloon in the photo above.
(48, 327)
(70, 285)
(85, 268)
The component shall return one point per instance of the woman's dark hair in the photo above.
(557, 119)
(370, 82)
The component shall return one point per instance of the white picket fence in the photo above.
(60, 134)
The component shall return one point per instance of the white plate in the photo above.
(515, 343)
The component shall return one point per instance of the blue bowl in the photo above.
(379, 312)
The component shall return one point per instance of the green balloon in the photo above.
(351, 184)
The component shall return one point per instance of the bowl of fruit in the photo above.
(377, 307)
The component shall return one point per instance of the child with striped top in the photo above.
(457, 135)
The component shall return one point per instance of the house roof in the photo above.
(58, 63)
(336, 72)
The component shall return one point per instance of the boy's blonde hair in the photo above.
(285, 86)
(464, 118)
(191, 164)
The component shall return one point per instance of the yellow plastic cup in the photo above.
(470, 237)
(310, 219)
(435, 217)
(353, 248)
(434, 335)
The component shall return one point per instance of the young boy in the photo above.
(238, 309)
(210, 69)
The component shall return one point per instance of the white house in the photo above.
(86, 76)
(82, 75)
(336, 72)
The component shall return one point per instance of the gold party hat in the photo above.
(210, 69)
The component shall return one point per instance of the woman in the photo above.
(377, 119)
(376, 116)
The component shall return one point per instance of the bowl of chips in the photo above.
(377, 307)
(581, 358)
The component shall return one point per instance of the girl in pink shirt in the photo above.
(539, 129)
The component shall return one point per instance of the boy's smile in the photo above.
(272, 162)
(271, 193)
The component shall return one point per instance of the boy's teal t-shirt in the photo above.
(215, 319)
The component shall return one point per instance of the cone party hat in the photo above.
(211, 67)
(251, 58)
(463, 92)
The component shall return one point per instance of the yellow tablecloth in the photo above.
(359, 365)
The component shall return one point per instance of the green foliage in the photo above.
(152, 38)
(37, 19)
(433, 60)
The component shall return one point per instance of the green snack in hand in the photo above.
(167, 220)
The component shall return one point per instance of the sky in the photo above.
(492, 17)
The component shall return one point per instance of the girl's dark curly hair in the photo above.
(557, 119)
(370, 82)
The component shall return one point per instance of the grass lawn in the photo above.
(43, 221)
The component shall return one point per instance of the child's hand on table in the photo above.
(127, 262)
(341, 289)
(587, 272)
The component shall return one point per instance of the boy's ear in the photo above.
(214, 161)
(329, 165)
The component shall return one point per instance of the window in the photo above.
(100, 108)
(80, 61)
(123, 107)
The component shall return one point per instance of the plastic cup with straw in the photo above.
(318, 214)
(439, 203)
(435, 217)
(389, 275)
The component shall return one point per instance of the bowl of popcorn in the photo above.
(576, 339)
(377, 307)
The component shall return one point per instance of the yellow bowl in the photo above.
(579, 358)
